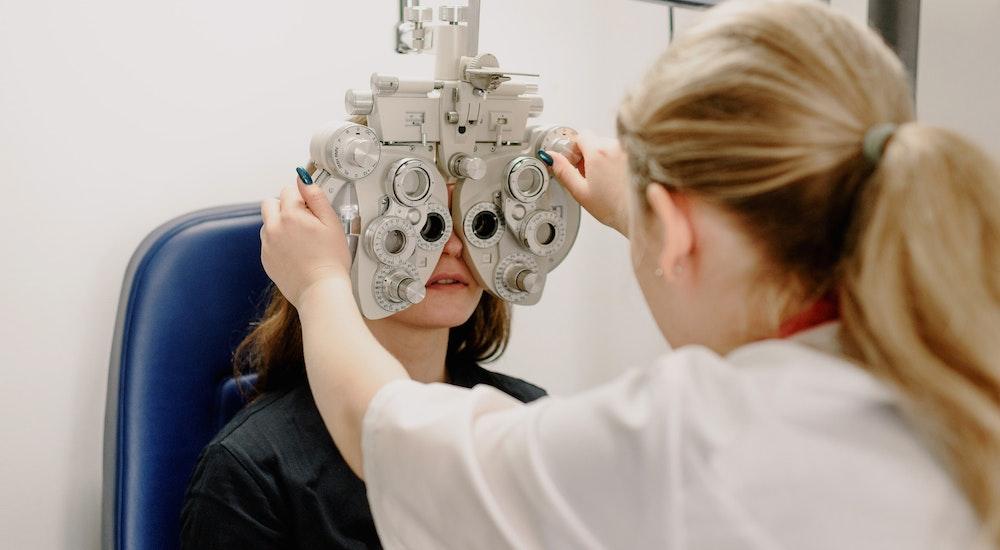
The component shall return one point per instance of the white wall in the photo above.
(117, 115)
(958, 75)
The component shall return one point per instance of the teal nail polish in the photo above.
(546, 158)
(304, 176)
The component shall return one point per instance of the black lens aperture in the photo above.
(485, 225)
(433, 228)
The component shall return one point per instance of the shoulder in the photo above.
(515, 387)
(809, 368)
(717, 399)
(270, 425)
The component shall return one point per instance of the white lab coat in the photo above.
(780, 444)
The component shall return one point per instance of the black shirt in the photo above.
(273, 478)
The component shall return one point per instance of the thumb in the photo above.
(569, 176)
(315, 199)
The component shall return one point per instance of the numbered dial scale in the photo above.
(392, 202)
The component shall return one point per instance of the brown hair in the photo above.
(273, 348)
(762, 110)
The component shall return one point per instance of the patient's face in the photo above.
(452, 291)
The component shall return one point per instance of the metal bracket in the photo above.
(472, 15)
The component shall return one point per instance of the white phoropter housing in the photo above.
(387, 179)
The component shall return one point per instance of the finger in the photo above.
(574, 155)
(316, 201)
(569, 176)
(270, 211)
(291, 200)
(589, 142)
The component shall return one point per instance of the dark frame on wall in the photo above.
(898, 21)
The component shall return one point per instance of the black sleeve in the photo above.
(229, 507)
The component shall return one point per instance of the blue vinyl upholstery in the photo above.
(190, 292)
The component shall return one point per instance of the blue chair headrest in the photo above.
(190, 292)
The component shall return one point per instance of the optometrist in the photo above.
(826, 269)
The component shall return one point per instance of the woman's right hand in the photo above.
(302, 241)
(598, 181)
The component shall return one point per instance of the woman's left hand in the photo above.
(302, 241)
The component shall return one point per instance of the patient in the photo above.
(272, 477)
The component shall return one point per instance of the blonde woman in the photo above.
(827, 270)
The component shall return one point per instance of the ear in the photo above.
(675, 223)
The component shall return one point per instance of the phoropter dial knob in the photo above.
(568, 149)
(465, 166)
(362, 153)
(402, 288)
(359, 102)
(562, 140)
(452, 15)
(350, 150)
(418, 14)
(397, 287)
(517, 277)
(521, 279)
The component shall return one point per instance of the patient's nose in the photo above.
(453, 247)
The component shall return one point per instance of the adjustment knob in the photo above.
(418, 14)
(384, 84)
(362, 153)
(568, 149)
(350, 150)
(521, 279)
(405, 289)
(452, 15)
(359, 102)
(465, 166)
(562, 140)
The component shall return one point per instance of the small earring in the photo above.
(658, 272)
(678, 270)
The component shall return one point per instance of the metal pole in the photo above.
(898, 21)
(473, 22)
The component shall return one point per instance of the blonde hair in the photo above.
(763, 110)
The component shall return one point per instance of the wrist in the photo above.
(326, 294)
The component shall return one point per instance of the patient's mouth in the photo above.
(446, 281)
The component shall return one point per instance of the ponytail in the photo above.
(920, 297)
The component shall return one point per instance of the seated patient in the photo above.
(272, 477)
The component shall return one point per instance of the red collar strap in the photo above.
(823, 310)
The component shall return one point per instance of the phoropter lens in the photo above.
(485, 225)
(546, 233)
(415, 184)
(395, 241)
(433, 228)
(530, 182)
